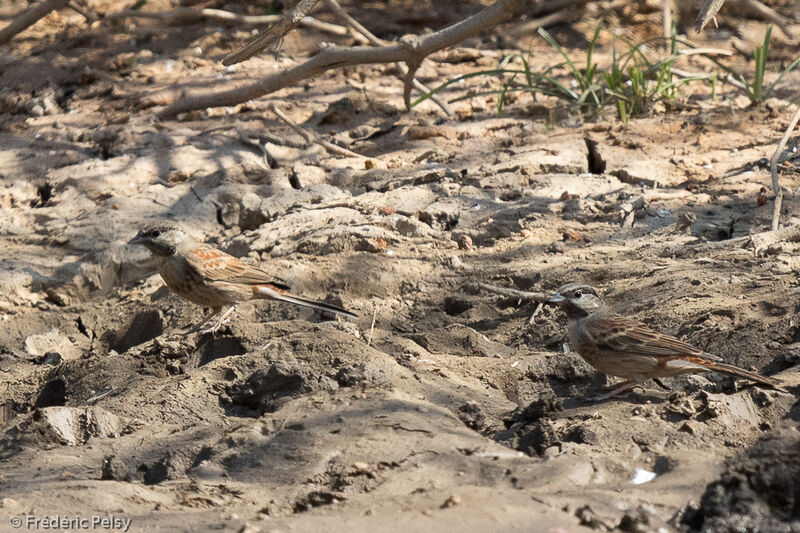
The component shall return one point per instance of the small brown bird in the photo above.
(211, 278)
(619, 346)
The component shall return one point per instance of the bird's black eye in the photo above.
(155, 233)
(578, 294)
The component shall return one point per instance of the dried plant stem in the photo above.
(310, 137)
(538, 297)
(773, 164)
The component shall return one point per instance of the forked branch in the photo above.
(372, 39)
(334, 57)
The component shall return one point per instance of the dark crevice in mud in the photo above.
(144, 327)
(758, 490)
(45, 193)
(220, 347)
(54, 393)
(595, 161)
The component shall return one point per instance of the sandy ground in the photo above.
(443, 407)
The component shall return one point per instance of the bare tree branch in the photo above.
(29, 18)
(310, 137)
(773, 164)
(375, 41)
(189, 14)
(82, 10)
(272, 34)
(335, 57)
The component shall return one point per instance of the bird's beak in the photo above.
(556, 299)
(137, 240)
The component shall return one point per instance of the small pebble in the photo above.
(453, 501)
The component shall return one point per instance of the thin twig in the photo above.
(535, 312)
(705, 51)
(189, 14)
(335, 58)
(82, 11)
(773, 164)
(538, 297)
(372, 327)
(543, 7)
(340, 12)
(312, 138)
(666, 19)
(29, 18)
(710, 8)
(375, 41)
(273, 34)
(408, 81)
(269, 161)
(532, 26)
(758, 241)
(767, 13)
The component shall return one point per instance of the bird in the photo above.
(209, 277)
(620, 346)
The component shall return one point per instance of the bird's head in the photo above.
(577, 299)
(161, 238)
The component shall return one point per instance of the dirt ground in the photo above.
(443, 407)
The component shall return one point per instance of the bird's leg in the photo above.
(626, 385)
(224, 319)
(214, 312)
(661, 384)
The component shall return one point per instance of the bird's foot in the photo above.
(223, 320)
(661, 384)
(602, 397)
(216, 327)
(623, 387)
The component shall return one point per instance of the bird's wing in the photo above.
(624, 335)
(216, 265)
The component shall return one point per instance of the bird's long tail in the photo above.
(742, 373)
(274, 293)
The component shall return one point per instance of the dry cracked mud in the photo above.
(443, 407)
